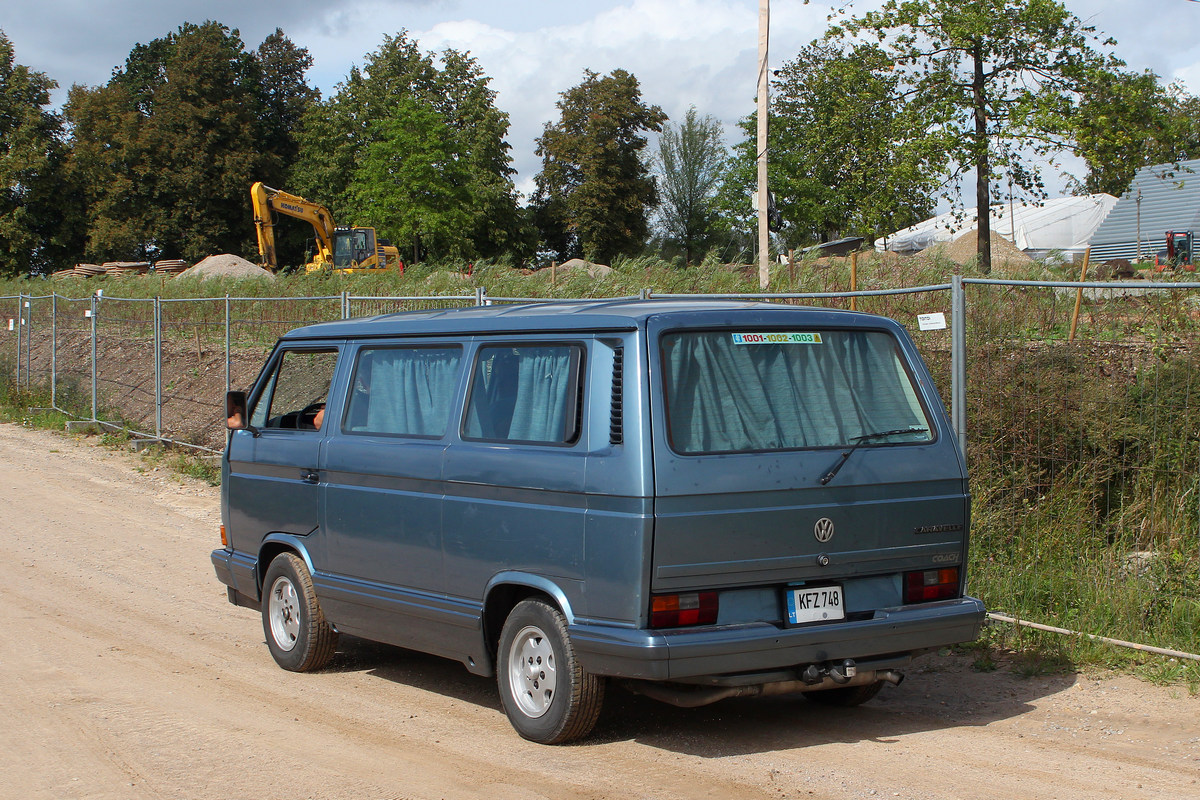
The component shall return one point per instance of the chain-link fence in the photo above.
(1082, 427)
(1085, 455)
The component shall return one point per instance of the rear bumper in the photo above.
(758, 647)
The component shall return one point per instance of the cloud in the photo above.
(683, 52)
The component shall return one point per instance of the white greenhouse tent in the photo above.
(1064, 224)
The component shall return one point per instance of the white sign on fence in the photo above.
(932, 322)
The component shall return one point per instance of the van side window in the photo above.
(403, 391)
(294, 397)
(525, 394)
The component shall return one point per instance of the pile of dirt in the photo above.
(963, 249)
(226, 265)
(593, 270)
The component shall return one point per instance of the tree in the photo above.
(410, 175)
(286, 98)
(1000, 79)
(594, 185)
(286, 95)
(404, 98)
(32, 219)
(166, 151)
(848, 152)
(691, 161)
(1129, 120)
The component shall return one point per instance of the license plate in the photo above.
(815, 604)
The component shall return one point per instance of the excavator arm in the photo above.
(268, 202)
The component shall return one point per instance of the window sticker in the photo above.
(777, 337)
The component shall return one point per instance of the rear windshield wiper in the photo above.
(859, 441)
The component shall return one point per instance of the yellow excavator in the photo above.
(347, 250)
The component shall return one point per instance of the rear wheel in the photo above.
(297, 634)
(548, 697)
(846, 696)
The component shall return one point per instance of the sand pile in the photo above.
(963, 249)
(226, 266)
(593, 270)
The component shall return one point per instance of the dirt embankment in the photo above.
(126, 674)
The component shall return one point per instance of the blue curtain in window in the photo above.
(543, 383)
(726, 397)
(406, 391)
(522, 394)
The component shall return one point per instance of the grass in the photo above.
(30, 408)
(1083, 454)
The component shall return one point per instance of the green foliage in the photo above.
(413, 145)
(691, 161)
(164, 153)
(34, 221)
(999, 80)
(849, 152)
(1128, 120)
(595, 188)
(410, 175)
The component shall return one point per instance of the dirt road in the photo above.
(126, 674)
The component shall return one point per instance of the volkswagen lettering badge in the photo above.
(823, 530)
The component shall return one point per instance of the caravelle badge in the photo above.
(823, 530)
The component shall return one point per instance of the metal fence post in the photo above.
(227, 355)
(92, 314)
(345, 305)
(158, 376)
(20, 327)
(480, 296)
(958, 360)
(27, 331)
(54, 349)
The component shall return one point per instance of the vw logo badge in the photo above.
(823, 530)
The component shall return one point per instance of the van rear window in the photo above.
(756, 390)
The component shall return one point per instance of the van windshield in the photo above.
(757, 390)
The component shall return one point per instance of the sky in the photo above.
(684, 52)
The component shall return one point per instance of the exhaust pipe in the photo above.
(814, 678)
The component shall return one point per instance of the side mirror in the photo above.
(236, 416)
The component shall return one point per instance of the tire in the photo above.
(846, 697)
(297, 634)
(548, 697)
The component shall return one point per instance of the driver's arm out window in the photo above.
(294, 397)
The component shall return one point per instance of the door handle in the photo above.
(310, 476)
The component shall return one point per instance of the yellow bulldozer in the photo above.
(347, 250)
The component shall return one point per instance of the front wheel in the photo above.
(548, 697)
(299, 637)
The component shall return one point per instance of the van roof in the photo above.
(575, 315)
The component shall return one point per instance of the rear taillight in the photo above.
(931, 584)
(677, 610)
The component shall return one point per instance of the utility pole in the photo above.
(1139, 224)
(764, 24)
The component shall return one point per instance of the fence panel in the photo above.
(192, 365)
(1085, 458)
(373, 306)
(126, 389)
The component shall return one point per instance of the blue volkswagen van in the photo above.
(700, 499)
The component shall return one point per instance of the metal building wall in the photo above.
(1170, 201)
